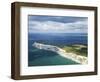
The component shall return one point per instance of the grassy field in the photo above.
(77, 49)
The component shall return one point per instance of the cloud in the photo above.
(57, 27)
(63, 19)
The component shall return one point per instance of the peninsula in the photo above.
(62, 52)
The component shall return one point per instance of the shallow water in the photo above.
(42, 58)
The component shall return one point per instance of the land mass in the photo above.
(77, 53)
(77, 49)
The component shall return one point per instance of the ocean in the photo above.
(37, 57)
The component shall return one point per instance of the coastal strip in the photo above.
(77, 58)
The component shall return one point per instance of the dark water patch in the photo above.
(37, 53)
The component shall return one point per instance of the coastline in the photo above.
(74, 57)
(77, 58)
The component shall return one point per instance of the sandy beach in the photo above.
(77, 58)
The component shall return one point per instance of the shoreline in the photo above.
(74, 57)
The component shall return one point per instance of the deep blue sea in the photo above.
(37, 57)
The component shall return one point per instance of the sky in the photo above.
(57, 24)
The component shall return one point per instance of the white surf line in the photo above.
(74, 57)
(77, 58)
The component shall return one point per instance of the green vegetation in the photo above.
(77, 49)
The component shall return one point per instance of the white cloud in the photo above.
(57, 27)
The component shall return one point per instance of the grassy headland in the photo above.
(77, 49)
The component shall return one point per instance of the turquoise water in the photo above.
(45, 58)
